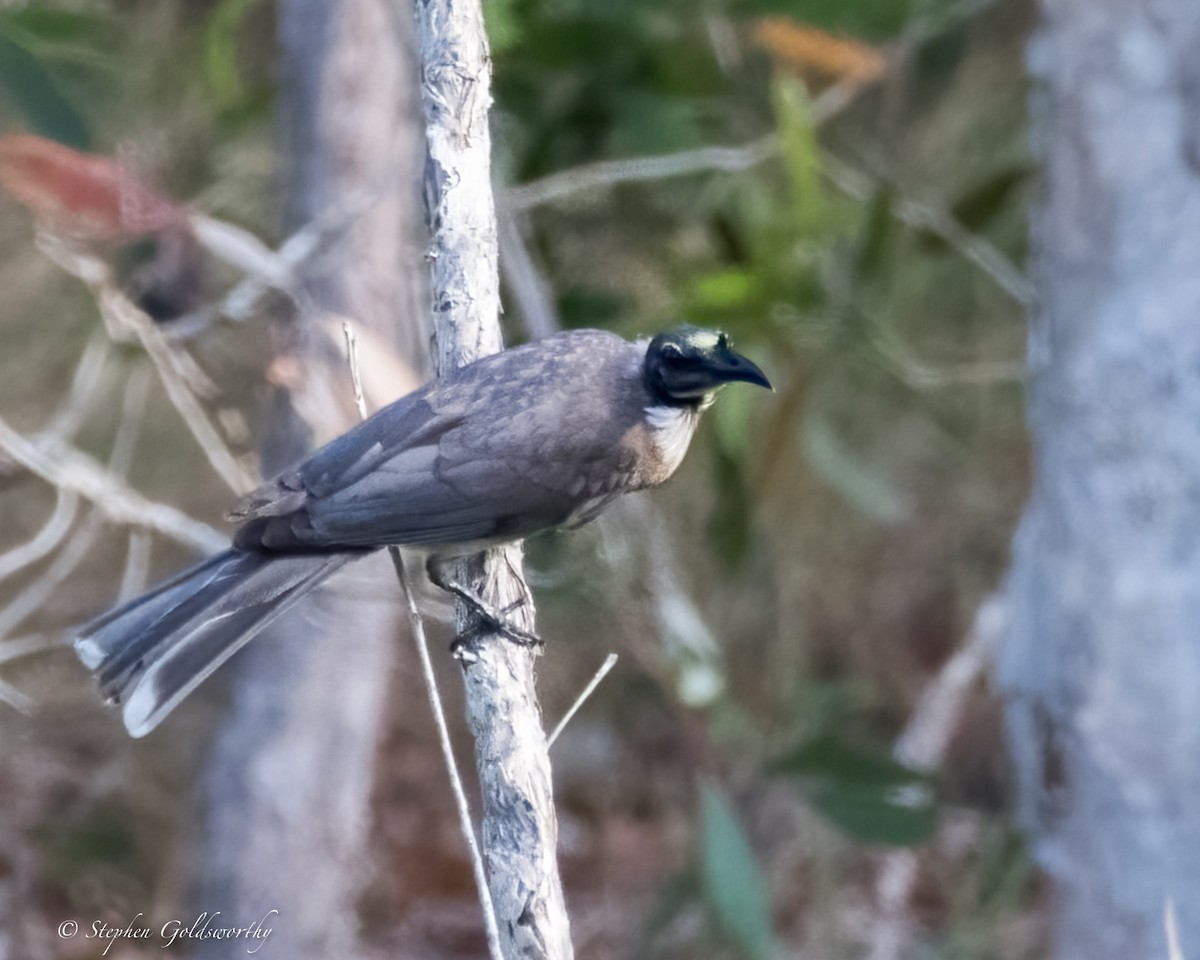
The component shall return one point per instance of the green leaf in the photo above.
(35, 92)
(801, 155)
(725, 290)
(733, 880)
(897, 817)
(49, 25)
(831, 758)
(869, 795)
(221, 69)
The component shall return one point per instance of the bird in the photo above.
(537, 437)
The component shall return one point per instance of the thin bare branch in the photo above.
(31, 599)
(431, 691)
(133, 412)
(922, 746)
(33, 643)
(925, 216)
(1171, 922)
(606, 174)
(137, 566)
(44, 542)
(266, 270)
(242, 249)
(531, 293)
(85, 384)
(73, 471)
(609, 662)
(923, 376)
(923, 743)
(19, 701)
(355, 376)
(463, 806)
(180, 376)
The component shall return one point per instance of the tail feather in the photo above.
(151, 653)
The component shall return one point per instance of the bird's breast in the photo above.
(670, 431)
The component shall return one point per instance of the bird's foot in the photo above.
(491, 619)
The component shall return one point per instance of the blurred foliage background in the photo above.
(730, 790)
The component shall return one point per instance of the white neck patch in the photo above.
(672, 429)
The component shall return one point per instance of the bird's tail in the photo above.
(152, 652)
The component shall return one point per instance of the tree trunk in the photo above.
(1101, 669)
(290, 782)
(520, 826)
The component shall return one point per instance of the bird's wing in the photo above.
(413, 474)
(512, 445)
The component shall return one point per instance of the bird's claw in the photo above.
(463, 646)
(491, 619)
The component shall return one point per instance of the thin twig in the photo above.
(73, 471)
(1174, 947)
(86, 382)
(133, 412)
(43, 543)
(535, 301)
(266, 270)
(137, 566)
(610, 173)
(355, 376)
(243, 250)
(456, 784)
(923, 376)
(924, 216)
(921, 216)
(609, 662)
(431, 691)
(21, 702)
(922, 746)
(177, 371)
(27, 646)
(606, 174)
(530, 291)
(31, 599)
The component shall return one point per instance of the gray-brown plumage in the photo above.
(534, 438)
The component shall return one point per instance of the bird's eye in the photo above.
(723, 341)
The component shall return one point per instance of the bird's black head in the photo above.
(685, 365)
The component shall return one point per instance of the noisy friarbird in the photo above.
(541, 436)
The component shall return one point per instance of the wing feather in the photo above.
(476, 458)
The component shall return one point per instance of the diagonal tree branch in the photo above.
(70, 470)
(180, 375)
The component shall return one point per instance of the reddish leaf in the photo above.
(810, 50)
(81, 195)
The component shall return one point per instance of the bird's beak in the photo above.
(730, 367)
